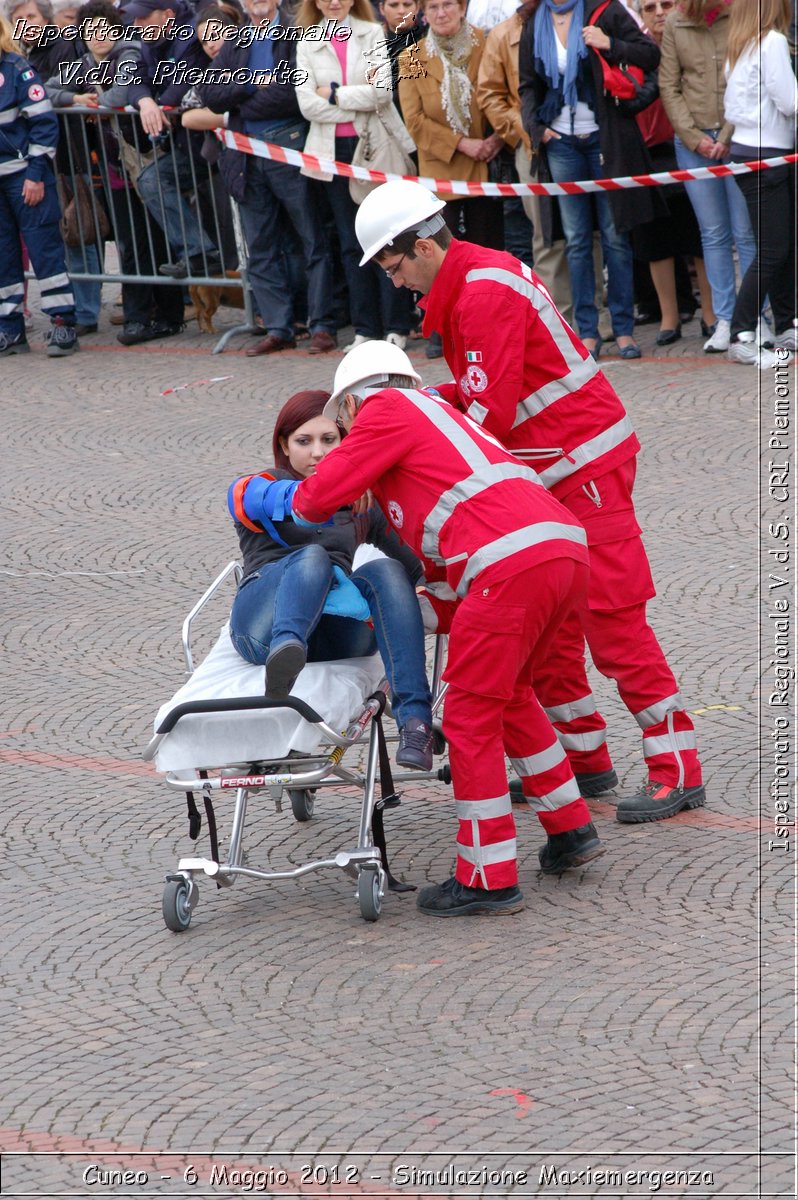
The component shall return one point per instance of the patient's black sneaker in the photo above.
(282, 668)
(415, 745)
(571, 849)
(453, 899)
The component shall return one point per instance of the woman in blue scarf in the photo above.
(587, 136)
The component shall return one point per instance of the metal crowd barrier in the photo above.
(183, 194)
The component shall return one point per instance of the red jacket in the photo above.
(465, 505)
(521, 371)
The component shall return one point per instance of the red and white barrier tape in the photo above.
(458, 187)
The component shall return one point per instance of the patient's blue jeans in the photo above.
(284, 601)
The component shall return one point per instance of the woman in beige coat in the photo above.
(347, 90)
(438, 95)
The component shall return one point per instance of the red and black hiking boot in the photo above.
(658, 801)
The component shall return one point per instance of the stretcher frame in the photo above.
(299, 775)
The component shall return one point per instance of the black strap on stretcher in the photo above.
(195, 821)
(389, 798)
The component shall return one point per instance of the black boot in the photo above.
(571, 849)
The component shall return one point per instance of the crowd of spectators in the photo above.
(480, 91)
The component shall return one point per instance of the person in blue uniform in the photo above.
(29, 206)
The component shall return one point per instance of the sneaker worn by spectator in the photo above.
(359, 340)
(271, 344)
(82, 330)
(764, 334)
(787, 339)
(571, 849)
(61, 339)
(658, 801)
(198, 264)
(749, 353)
(397, 339)
(415, 745)
(453, 899)
(136, 332)
(719, 342)
(13, 344)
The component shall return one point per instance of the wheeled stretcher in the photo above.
(219, 734)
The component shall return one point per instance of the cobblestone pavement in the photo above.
(624, 1022)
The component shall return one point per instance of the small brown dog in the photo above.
(206, 298)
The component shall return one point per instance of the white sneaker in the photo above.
(788, 339)
(360, 339)
(397, 339)
(746, 352)
(764, 334)
(720, 338)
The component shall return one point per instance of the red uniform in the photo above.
(513, 563)
(523, 374)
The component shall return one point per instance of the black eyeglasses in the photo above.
(391, 271)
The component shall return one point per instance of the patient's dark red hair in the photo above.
(296, 411)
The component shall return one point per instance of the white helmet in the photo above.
(394, 208)
(368, 366)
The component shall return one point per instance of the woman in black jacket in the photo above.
(584, 134)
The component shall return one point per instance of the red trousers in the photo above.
(622, 644)
(491, 709)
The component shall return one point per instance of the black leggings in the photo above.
(770, 196)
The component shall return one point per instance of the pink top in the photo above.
(346, 129)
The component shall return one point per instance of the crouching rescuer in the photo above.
(504, 564)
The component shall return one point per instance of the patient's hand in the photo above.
(362, 505)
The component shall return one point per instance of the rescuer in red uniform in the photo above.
(522, 374)
(505, 564)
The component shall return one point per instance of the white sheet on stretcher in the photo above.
(335, 690)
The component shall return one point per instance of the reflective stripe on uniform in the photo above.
(658, 712)
(588, 452)
(669, 743)
(487, 856)
(8, 116)
(35, 150)
(585, 706)
(57, 300)
(54, 281)
(579, 370)
(477, 412)
(536, 764)
(583, 741)
(512, 543)
(565, 794)
(13, 164)
(479, 481)
(483, 810)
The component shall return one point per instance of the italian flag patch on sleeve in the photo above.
(474, 356)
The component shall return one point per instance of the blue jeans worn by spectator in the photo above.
(82, 260)
(276, 194)
(284, 600)
(572, 158)
(723, 219)
(161, 186)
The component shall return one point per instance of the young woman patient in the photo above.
(299, 600)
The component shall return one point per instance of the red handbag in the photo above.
(622, 83)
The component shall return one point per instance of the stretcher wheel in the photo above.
(368, 894)
(176, 907)
(301, 803)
